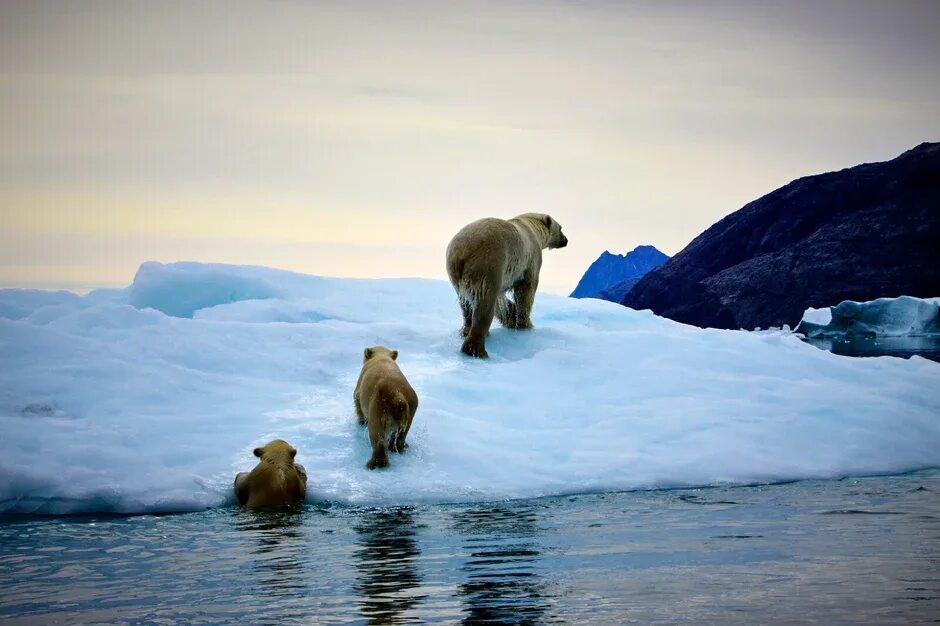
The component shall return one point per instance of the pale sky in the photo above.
(355, 138)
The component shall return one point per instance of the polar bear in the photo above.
(275, 481)
(488, 257)
(386, 402)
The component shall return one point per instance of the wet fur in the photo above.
(275, 481)
(385, 402)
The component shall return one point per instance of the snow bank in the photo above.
(884, 317)
(111, 404)
(16, 304)
(181, 289)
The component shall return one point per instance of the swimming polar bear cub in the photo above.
(487, 258)
(386, 402)
(275, 481)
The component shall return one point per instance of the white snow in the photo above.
(105, 406)
(818, 316)
(884, 317)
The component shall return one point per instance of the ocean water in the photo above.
(904, 347)
(849, 551)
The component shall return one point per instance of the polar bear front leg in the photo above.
(524, 295)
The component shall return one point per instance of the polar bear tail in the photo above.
(398, 407)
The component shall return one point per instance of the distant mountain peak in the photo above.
(611, 270)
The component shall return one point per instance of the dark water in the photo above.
(904, 347)
(850, 551)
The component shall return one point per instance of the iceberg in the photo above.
(151, 398)
(903, 316)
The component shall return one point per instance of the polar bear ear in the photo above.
(547, 220)
(258, 452)
(367, 354)
(394, 354)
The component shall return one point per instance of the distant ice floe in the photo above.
(884, 317)
(151, 398)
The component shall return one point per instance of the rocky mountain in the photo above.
(620, 290)
(862, 233)
(612, 275)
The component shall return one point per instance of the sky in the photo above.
(355, 138)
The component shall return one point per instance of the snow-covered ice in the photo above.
(151, 398)
(884, 317)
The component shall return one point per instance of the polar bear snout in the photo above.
(560, 242)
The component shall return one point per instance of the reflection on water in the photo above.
(277, 544)
(853, 551)
(905, 347)
(386, 564)
(503, 584)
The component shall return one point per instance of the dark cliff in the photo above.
(861, 233)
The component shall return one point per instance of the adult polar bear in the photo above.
(491, 256)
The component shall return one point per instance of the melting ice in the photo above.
(151, 398)
(903, 316)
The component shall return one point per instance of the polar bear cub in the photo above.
(385, 402)
(275, 481)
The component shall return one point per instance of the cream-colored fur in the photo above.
(275, 481)
(386, 402)
(489, 257)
